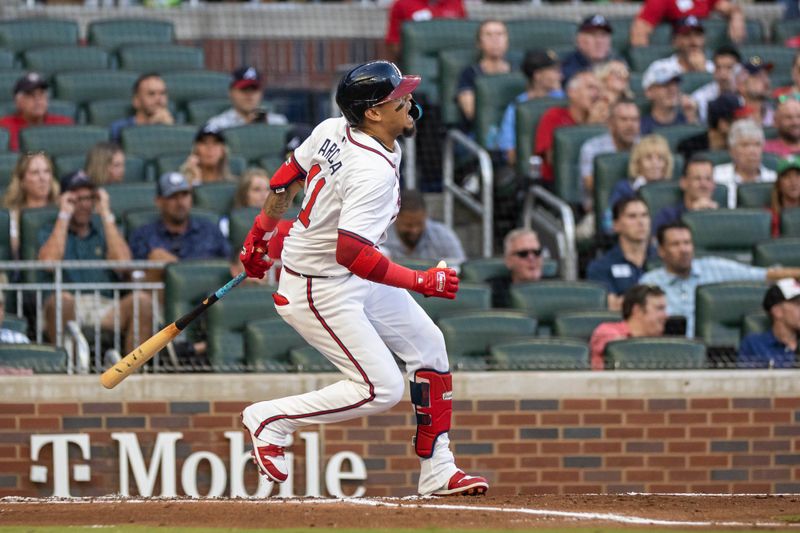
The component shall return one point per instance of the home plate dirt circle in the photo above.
(496, 512)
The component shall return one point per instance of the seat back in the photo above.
(755, 323)
(7, 163)
(217, 197)
(543, 300)
(469, 335)
(61, 140)
(483, 269)
(790, 222)
(581, 324)
(257, 140)
(185, 86)
(31, 221)
(526, 34)
(5, 241)
(267, 343)
(642, 56)
(6, 59)
(729, 231)
(451, 63)
(721, 307)
(186, 283)
(199, 111)
(675, 134)
(661, 353)
(160, 57)
(691, 81)
(471, 297)
(660, 194)
(778, 252)
(757, 195)
(113, 33)
(40, 358)
(104, 112)
(7, 80)
(149, 142)
(65, 164)
(527, 116)
(566, 150)
(540, 354)
(308, 359)
(54, 59)
(89, 86)
(492, 95)
(19, 35)
(783, 29)
(608, 170)
(130, 196)
(227, 320)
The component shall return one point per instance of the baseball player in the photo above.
(342, 295)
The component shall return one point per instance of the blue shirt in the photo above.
(614, 271)
(118, 125)
(572, 64)
(668, 215)
(764, 350)
(201, 240)
(649, 124)
(681, 291)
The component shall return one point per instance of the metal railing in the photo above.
(552, 218)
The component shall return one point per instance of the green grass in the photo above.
(143, 529)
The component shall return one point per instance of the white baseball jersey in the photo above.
(352, 184)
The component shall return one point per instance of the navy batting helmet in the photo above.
(372, 84)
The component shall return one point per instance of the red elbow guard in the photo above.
(288, 173)
(365, 261)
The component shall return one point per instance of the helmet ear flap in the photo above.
(416, 110)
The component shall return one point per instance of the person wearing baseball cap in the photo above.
(778, 346)
(668, 107)
(592, 46)
(726, 61)
(209, 160)
(785, 191)
(31, 101)
(754, 86)
(688, 41)
(654, 12)
(246, 93)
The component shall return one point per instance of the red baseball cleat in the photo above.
(270, 461)
(463, 485)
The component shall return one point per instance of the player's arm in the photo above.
(736, 25)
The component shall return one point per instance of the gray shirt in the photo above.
(436, 242)
(231, 119)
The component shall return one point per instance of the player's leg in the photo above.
(329, 314)
(410, 333)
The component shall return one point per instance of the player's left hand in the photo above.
(438, 282)
(253, 253)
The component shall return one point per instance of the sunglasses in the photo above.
(522, 254)
(788, 96)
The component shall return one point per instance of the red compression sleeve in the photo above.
(287, 173)
(265, 222)
(363, 260)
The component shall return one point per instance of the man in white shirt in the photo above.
(246, 95)
(746, 141)
(689, 41)
(726, 66)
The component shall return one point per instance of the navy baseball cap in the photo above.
(210, 130)
(76, 180)
(246, 78)
(171, 183)
(596, 22)
(755, 64)
(30, 82)
(688, 25)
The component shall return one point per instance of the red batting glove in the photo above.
(439, 282)
(253, 252)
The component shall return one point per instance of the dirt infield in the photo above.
(512, 512)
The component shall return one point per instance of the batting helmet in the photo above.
(369, 85)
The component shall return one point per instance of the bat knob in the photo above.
(441, 264)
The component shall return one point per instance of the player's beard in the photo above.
(410, 131)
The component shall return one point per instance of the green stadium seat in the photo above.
(662, 35)
(16, 323)
(152, 141)
(186, 283)
(543, 300)
(469, 335)
(55, 59)
(19, 35)
(199, 111)
(492, 96)
(309, 359)
(471, 297)
(6, 59)
(217, 197)
(790, 222)
(451, 63)
(255, 141)
(136, 218)
(183, 87)
(160, 58)
(783, 29)
(662, 353)
(691, 81)
(770, 160)
(173, 162)
(784, 252)
(63, 107)
(675, 134)
(540, 354)
(7, 80)
(7, 163)
(5, 242)
(91, 86)
(113, 33)
(527, 119)
(780, 56)
(61, 140)
(620, 41)
(659, 195)
(755, 323)
(526, 34)
(566, 151)
(267, 342)
(481, 270)
(241, 220)
(754, 195)
(729, 232)
(134, 166)
(31, 221)
(41, 358)
(271, 163)
(718, 157)
(4, 138)
(721, 307)
(104, 112)
(581, 324)
(642, 56)
(126, 197)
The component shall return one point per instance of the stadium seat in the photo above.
(160, 58)
(5, 243)
(527, 119)
(91, 86)
(661, 353)
(150, 142)
(783, 29)
(527, 34)
(308, 359)
(7, 163)
(642, 56)
(778, 252)
(691, 81)
(755, 323)
(16, 323)
(126, 197)
(183, 87)
(7, 80)
(113, 33)
(540, 354)
(620, 38)
(271, 163)
(790, 222)
(451, 63)
(6, 59)
(754, 195)
(173, 162)
(581, 324)
(104, 112)
(134, 166)
(267, 342)
(469, 335)
(729, 232)
(4, 138)
(566, 165)
(241, 220)
(721, 307)
(41, 358)
(186, 283)
(199, 111)
(136, 218)
(675, 134)
(665, 193)
(662, 35)
(780, 56)
(718, 157)
(492, 96)
(542, 300)
(217, 197)
(481, 270)
(19, 35)
(471, 297)
(255, 141)
(31, 221)
(55, 59)
(61, 140)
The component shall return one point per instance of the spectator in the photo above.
(32, 185)
(644, 314)
(727, 63)
(523, 257)
(746, 141)
(621, 267)
(150, 103)
(77, 236)
(208, 162)
(682, 273)
(418, 10)
(721, 114)
(105, 164)
(415, 236)
(253, 188)
(30, 108)
(776, 347)
(8, 336)
(795, 86)
(583, 93)
(786, 191)
(592, 46)
(668, 107)
(654, 12)
(542, 69)
(753, 86)
(689, 41)
(492, 44)
(615, 80)
(623, 132)
(787, 122)
(246, 96)
(697, 184)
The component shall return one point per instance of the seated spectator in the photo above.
(682, 273)
(30, 108)
(753, 86)
(644, 314)
(492, 44)
(542, 69)
(32, 185)
(253, 188)
(746, 141)
(689, 41)
(77, 236)
(727, 63)
(105, 164)
(786, 191)
(583, 93)
(208, 162)
(150, 103)
(787, 122)
(795, 86)
(592, 46)
(776, 347)
(246, 96)
(623, 133)
(615, 80)
(621, 267)
(722, 112)
(523, 257)
(417, 10)
(654, 12)
(697, 184)
(415, 236)
(668, 107)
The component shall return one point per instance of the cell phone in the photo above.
(675, 326)
(260, 116)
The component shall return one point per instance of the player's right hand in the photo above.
(438, 282)
(254, 252)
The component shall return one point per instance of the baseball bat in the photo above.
(145, 351)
